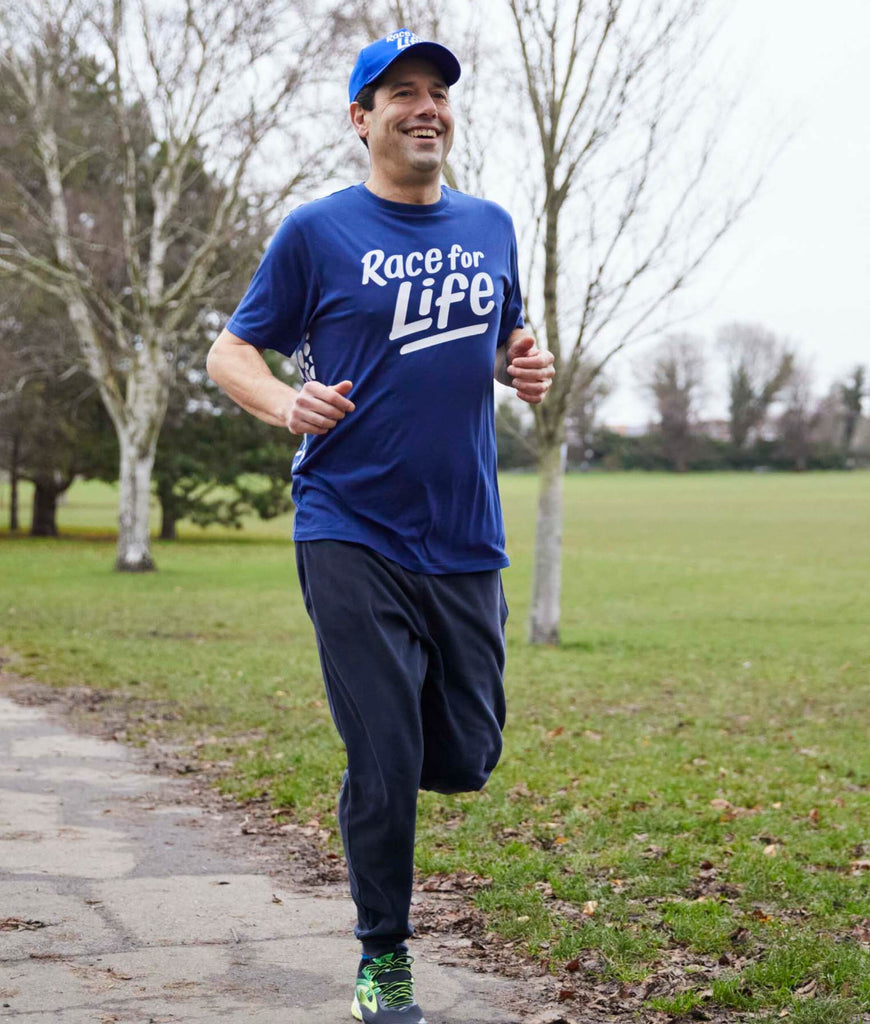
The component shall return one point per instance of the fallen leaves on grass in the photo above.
(806, 991)
(730, 811)
(593, 998)
(457, 881)
(575, 992)
(448, 914)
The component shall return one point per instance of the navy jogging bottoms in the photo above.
(413, 667)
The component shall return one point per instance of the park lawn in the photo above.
(686, 779)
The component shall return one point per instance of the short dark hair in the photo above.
(366, 96)
(366, 99)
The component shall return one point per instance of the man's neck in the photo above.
(414, 193)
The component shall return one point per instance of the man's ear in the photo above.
(358, 119)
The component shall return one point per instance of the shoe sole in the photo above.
(356, 1012)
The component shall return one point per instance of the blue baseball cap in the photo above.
(375, 58)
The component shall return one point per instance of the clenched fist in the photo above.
(530, 368)
(318, 407)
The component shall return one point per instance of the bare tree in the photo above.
(799, 416)
(11, 429)
(852, 394)
(624, 203)
(759, 366)
(673, 375)
(208, 87)
(589, 392)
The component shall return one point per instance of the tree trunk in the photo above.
(134, 536)
(44, 520)
(168, 512)
(13, 484)
(547, 582)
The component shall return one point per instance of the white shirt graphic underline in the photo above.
(439, 339)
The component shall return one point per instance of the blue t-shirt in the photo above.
(408, 302)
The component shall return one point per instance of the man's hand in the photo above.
(239, 368)
(530, 368)
(318, 407)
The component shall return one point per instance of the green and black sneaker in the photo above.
(385, 991)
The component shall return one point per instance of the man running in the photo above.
(399, 299)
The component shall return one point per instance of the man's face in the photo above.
(410, 130)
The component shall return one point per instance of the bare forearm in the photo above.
(267, 398)
(240, 370)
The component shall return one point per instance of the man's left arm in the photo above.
(520, 364)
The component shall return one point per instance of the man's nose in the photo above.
(426, 106)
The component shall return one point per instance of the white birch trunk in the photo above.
(134, 527)
(146, 400)
(547, 579)
(129, 336)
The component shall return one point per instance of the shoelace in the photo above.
(393, 993)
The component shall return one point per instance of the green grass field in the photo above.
(686, 780)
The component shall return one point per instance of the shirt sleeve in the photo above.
(512, 308)
(275, 310)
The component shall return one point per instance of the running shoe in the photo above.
(385, 991)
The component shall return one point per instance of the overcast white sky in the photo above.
(799, 261)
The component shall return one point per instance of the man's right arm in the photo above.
(240, 370)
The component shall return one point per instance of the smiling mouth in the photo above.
(422, 133)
